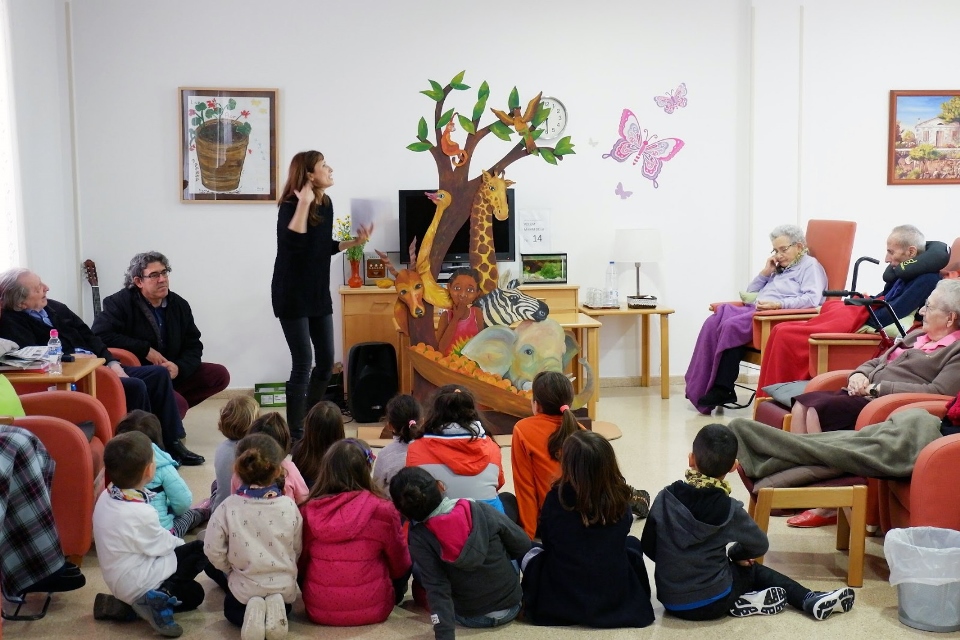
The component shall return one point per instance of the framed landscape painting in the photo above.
(228, 145)
(924, 141)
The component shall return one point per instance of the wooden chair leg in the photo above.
(761, 511)
(858, 532)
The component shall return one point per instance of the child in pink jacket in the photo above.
(355, 563)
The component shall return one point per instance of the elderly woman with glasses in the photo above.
(790, 279)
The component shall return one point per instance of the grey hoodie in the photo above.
(463, 561)
(687, 533)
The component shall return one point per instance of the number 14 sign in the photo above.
(535, 231)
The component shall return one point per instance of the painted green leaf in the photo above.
(436, 96)
(420, 146)
(514, 100)
(457, 79)
(244, 128)
(436, 86)
(564, 147)
(197, 121)
(547, 155)
(484, 91)
(535, 151)
(537, 133)
(459, 86)
(231, 104)
(422, 129)
(209, 113)
(540, 116)
(500, 130)
(445, 118)
(466, 124)
(200, 106)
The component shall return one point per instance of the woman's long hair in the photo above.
(346, 467)
(452, 403)
(322, 427)
(300, 165)
(553, 390)
(589, 471)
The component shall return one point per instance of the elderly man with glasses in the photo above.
(28, 316)
(157, 326)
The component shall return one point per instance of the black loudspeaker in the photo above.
(372, 367)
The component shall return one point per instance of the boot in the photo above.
(296, 409)
(317, 388)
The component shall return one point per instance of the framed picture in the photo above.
(543, 268)
(228, 145)
(924, 141)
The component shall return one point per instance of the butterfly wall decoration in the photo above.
(621, 192)
(639, 143)
(673, 100)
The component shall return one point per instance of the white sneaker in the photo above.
(276, 617)
(760, 603)
(821, 605)
(253, 620)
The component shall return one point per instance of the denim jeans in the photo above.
(309, 339)
(487, 621)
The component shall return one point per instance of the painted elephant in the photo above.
(520, 354)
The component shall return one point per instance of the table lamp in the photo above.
(636, 246)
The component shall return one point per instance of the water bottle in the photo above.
(54, 353)
(612, 295)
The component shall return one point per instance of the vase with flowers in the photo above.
(221, 143)
(354, 253)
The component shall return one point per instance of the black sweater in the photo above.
(301, 272)
(27, 331)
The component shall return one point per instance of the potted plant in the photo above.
(221, 144)
(354, 253)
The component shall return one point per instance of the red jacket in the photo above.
(352, 547)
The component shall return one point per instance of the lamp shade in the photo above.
(637, 245)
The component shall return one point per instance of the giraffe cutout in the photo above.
(491, 200)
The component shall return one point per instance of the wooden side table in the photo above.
(645, 314)
(81, 372)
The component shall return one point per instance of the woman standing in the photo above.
(300, 289)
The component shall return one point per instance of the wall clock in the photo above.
(556, 122)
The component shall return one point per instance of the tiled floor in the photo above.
(652, 452)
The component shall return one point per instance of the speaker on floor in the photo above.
(372, 371)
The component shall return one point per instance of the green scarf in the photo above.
(701, 481)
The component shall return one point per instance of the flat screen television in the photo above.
(416, 214)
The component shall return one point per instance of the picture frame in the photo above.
(924, 137)
(543, 268)
(228, 145)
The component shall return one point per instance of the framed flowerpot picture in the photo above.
(228, 145)
(924, 140)
(543, 268)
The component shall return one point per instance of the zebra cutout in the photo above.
(507, 305)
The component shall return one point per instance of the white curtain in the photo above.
(9, 210)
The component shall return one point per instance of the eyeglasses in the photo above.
(157, 274)
(929, 307)
(783, 250)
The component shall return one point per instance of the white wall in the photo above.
(786, 121)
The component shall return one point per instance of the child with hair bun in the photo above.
(290, 482)
(403, 417)
(321, 428)
(355, 563)
(255, 538)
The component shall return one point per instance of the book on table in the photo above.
(26, 359)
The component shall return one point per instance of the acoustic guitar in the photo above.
(89, 269)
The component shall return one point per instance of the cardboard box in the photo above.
(270, 394)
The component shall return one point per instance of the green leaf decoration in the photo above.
(484, 91)
(537, 133)
(466, 124)
(436, 86)
(564, 147)
(209, 113)
(457, 79)
(535, 151)
(231, 104)
(420, 146)
(244, 128)
(547, 155)
(445, 118)
(539, 117)
(422, 129)
(199, 107)
(481, 105)
(500, 130)
(436, 96)
(514, 100)
(459, 86)
(196, 121)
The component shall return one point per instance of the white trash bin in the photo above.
(925, 567)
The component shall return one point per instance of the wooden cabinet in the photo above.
(561, 298)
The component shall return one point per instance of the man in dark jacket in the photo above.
(28, 316)
(157, 326)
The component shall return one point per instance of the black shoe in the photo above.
(63, 579)
(183, 455)
(106, 607)
(717, 396)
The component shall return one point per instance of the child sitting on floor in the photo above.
(291, 482)
(403, 416)
(321, 428)
(235, 420)
(699, 575)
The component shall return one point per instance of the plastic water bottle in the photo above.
(54, 353)
(612, 295)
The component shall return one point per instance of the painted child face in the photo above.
(463, 290)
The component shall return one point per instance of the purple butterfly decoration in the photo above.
(674, 99)
(620, 192)
(634, 140)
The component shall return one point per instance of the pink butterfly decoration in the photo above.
(633, 140)
(620, 192)
(674, 99)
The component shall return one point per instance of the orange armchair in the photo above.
(124, 357)
(928, 497)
